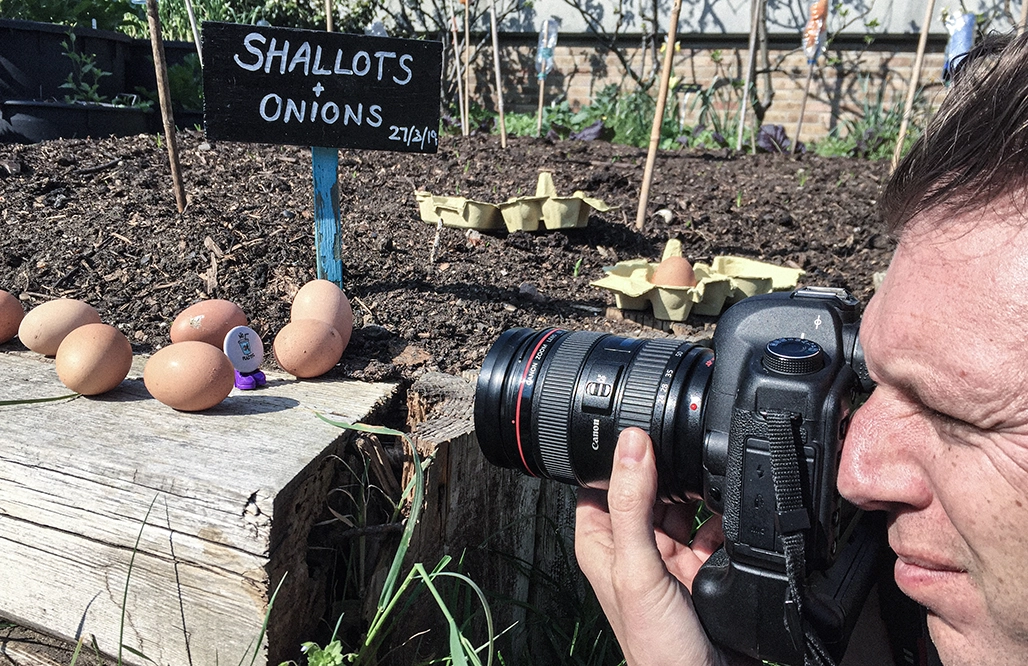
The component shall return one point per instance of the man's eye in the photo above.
(947, 424)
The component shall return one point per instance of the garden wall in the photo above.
(852, 78)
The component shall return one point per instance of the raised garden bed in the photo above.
(96, 220)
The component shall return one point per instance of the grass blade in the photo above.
(139, 654)
(264, 625)
(128, 577)
(418, 483)
(32, 401)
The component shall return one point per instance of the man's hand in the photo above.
(638, 556)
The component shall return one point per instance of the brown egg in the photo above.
(93, 359)
(207, 321)
(324, 301)
(11, 314)
(308, 347)
(674, 272)
(45, 326)
(189, 376)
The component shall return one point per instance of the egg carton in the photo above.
(726, 280)
(516, 214)
(458, 212)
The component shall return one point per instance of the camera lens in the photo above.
(551, 403)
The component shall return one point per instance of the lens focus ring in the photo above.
(555, 397)
(642, 381)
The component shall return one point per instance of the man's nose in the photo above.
(881, 457)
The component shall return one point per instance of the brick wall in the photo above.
(844, 84)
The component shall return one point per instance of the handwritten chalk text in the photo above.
(263, 55)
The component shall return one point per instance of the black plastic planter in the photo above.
(27, 121)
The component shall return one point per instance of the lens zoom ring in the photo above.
(641, 384)
(554, 404)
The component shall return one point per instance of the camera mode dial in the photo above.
(793, 356)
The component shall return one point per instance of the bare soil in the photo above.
(96, 220)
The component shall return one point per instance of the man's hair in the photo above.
(975, 149)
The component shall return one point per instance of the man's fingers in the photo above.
(708, 538)
(630, 498)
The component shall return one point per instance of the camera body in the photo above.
(552, 403)
(799, 354)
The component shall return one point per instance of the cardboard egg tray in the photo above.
(516, 214)
(724, 281)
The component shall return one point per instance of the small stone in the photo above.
(529, 291)
(375, 332)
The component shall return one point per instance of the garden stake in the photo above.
(658, 114)
(813, 40)
(196, 33)
(915, 78)
(750, 61)
(325, 166)
(467, 61)
(456, 67)
(543, 65)
(328, 15)
(164, 96)
(496, 65)
(803, 108)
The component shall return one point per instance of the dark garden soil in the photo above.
(96, 220)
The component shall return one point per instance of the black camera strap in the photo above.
(791, 520)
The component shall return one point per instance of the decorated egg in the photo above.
(244, 349)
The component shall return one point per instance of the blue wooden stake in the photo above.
(325, 163)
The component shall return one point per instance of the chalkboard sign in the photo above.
(305, 87)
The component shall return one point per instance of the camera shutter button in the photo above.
(793, 356)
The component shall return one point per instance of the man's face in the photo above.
(942, 444)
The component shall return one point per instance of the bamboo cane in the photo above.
(915, 78)
(496, 65)
(467, 62)
(164, 96)
(750, 63)
(196, 33)
(456, 67)
(658, 115)
(539, 113)
(803, 109)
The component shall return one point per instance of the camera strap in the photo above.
(791, 520)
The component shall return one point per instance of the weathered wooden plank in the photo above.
(234, 492)
(516, 529)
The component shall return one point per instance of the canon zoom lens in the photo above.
(552, 403)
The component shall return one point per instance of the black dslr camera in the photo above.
(757, 435)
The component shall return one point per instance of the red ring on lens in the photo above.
(521, 390)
